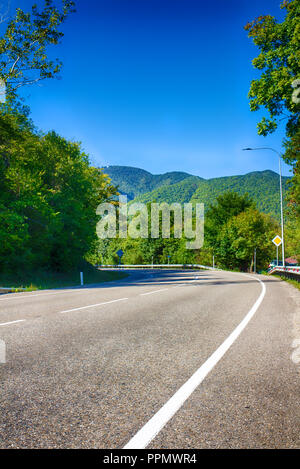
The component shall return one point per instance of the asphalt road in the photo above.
(89, 368)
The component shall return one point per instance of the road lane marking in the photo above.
(92, 306)
(295, 357)
(155, 291)
(42, 294)
(149, 431)
(185, 284)
(12, 322)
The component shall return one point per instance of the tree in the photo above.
(278, 88)
(23, 48)
(227, 205)
(241, 235)
(48, 198)
(49, 192)
(234, 228)
(279, 62)
(292, 156)
(292, 238)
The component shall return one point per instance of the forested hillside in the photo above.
(262, 186)
(135, 181)
(180, 192)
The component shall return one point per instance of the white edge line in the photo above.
(12, 322)
(155, 291)
(149, 431)
(92, 306)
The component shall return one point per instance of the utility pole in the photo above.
(281, 206)
(281, 196)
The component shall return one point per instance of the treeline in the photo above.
(234, 228)
(49, 193)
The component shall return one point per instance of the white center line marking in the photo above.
(42, 294)
(92, 306)
(12, 322)
(155, 291)
(149, 431)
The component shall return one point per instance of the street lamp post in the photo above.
(281, 195)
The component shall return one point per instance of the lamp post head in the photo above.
(245, 149)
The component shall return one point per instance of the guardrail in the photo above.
(10, 290)
(288, 272)
(5, 290)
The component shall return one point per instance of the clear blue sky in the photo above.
(159, 84)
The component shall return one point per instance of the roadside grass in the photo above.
(41, 279)
(292, 282)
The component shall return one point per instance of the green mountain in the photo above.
(135, 181)
(180, 192)
(262, 186)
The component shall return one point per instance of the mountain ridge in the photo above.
(135, 181)
(142, 186)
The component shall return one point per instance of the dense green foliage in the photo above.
(23, 47)
(234, 228)
(237, 221)
(241, 235)
(292, 238)
(48, 197)
(278, 61)
(49, 192)
(147, 250)
(262, 186)
(278, 87)
(227, 206)
(292, 156)
(180, 192)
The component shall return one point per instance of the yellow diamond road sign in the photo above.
(277, 241)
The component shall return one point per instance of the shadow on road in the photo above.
(171, 277)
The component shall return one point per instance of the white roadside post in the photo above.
(2, 351)
(81, 279)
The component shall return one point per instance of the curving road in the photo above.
(100, 367)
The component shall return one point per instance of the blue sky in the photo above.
(158, 84)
